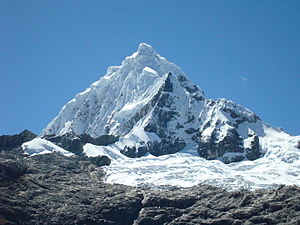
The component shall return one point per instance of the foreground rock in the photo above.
(53, 189)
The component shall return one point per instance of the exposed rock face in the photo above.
(70, 190)
(9, 142)
(253, 151)
(207, 205)
(214, 149)
(134, 151)
(227, 132)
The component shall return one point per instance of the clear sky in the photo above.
(246, 51)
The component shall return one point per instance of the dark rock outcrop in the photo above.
(99, 160)
(9, 142)
(155, 148)
(230, 148)
(74, 143)
(253, 152)
(213, 149)
(134, 151)
(59, 190)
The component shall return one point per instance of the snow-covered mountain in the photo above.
(154, 108)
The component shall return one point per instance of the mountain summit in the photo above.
(152, 106)
(145, 49)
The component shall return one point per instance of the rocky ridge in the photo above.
(9, 142)
(53, 189)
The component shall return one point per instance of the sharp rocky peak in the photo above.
(112, 104)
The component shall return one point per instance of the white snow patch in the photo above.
(247, 142)
(149, 70)
(40, 146)
(91, 150)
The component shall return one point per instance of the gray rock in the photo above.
(253, 152)
(213, 149)
(59, 190)
(10, 170)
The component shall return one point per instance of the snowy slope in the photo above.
(154, 108)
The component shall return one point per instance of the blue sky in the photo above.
(246, 51)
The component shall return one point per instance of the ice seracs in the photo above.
(280, 165)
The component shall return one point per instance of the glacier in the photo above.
(280, 165)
